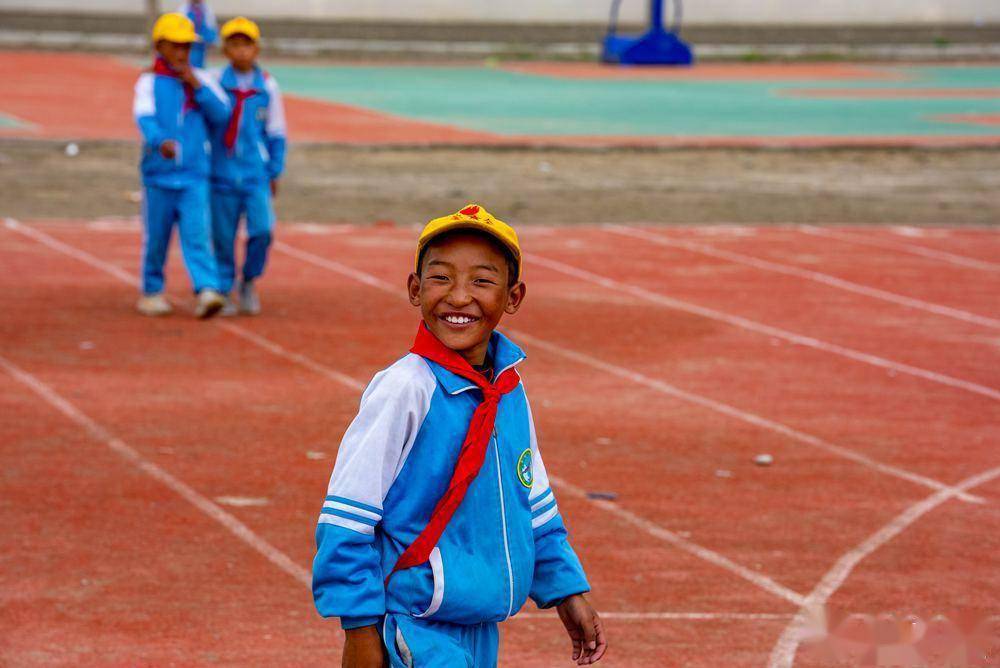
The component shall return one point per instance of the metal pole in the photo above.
(656, 15)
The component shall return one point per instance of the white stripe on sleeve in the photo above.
(360, 527)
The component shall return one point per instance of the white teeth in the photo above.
(458, 319)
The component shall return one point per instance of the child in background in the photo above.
(439, 520)
(205, 26)
(174, 103)
(248, 156)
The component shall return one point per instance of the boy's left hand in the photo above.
(187, 75)
(584, 628)
(274, 187)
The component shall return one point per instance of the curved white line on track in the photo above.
(913, 249)
(808, 274)
(761, 328)
(783, 653)
(182, 489)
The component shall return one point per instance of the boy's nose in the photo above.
(459, 296)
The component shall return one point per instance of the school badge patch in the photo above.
(524, 473)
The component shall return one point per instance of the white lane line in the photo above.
(761, 328)
(379, 284)
(122, 275)
(783, 653)
(914, 249)
(640, 379)
(808, 274)
(682, 616)
(182, 489)
(653, 529)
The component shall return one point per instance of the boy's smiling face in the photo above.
(463, 290)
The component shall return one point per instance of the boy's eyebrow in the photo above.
(490, 267)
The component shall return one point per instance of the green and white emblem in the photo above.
(524, 473)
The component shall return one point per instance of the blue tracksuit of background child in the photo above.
(176, 189)
(205, 25)
(242, 174)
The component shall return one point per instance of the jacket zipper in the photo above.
(503, 520)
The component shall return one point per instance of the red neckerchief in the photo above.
(161, 67)
(473, 452)
(233, 127)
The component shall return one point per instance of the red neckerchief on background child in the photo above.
(233, 127)
(161, 67)
(473, 452)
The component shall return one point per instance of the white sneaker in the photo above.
(210, 302)
(154, 305)
(229, 309)
(249, 301)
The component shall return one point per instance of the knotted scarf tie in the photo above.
(161, 67)
(233, 127)
(473, 451)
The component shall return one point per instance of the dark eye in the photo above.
(485, 281)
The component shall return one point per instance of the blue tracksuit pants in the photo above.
(228, 206)
(188, 208)
(415, 642)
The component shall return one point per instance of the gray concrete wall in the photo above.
(746, 12)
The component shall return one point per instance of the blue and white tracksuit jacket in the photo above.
(506, 541)
(205, 25)
(176, 189)
(241, 178)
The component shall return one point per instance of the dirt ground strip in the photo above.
(334, 183)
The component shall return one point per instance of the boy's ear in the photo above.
(413, 289)
(515, 297)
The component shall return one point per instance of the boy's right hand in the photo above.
(363, 648)
(168, 149)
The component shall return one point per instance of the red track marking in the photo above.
(710, 72)
(981, 244)
(54, 93)
(805, 309)
(575, 444)
(101, 567)
(808, 274)
(627, 567)
(904, 274)
(894, 93)
(973, 119)
(783, 655)
(313, 120)
(915, 249)
(759, 327)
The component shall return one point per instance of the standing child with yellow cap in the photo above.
(439, 520)
(174, 106)
(248, 157)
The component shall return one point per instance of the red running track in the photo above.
(232, 419)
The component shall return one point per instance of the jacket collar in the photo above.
(228, 78)
(504, 353)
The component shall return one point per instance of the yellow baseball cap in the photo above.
(175, 28)
(241, 25)
(472, 217)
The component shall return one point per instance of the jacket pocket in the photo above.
(437, 575)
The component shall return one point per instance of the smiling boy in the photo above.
(439, 520)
